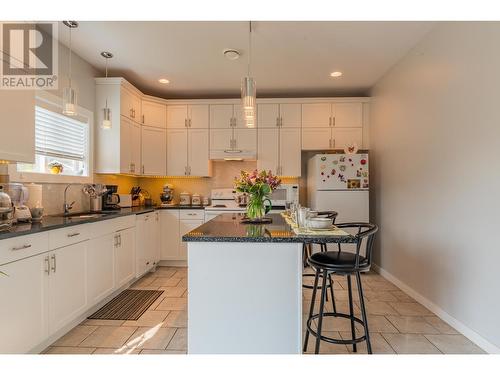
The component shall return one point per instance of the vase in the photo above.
(257, 208)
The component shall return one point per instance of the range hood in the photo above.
(233, 154)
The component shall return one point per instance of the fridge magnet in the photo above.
(365, 186)
(322, 173)
(363, 161)
(324, 180)
(341, 178)
(342, 168)
(351, 149)
(323, 158)
(353, 183)
(358, 173)
(365, 180)
(322, 166)
(333, 172)
(327, 176)
(352, 165)
(335, 162)
(342, 159)
(365, 174)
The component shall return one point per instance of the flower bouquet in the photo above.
(258, 186)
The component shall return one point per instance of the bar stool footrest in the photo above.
(330, 339)
(312, 286)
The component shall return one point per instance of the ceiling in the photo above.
(288, 58)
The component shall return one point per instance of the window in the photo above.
(62, 145)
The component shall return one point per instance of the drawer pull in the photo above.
(73, 234)
(21, 247)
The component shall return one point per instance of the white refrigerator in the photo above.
(339, 182)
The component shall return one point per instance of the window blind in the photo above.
(59, 136)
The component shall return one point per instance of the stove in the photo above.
(222, 203)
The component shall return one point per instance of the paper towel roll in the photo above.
(34, 195)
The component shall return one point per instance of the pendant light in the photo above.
(106, 118)
(248, 91)
(69, 93)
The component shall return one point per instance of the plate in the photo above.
(323, 229)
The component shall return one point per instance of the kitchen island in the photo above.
(245, 286)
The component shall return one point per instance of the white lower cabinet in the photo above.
(24, 307)
(67, 292)
(124, 256)
(147, 242)
(100, 267)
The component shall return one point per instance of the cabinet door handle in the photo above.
(47, 263)
(120, 240)
(143, 169)
(143, 119)
(333, 120)
(189, 122)
(116, 241)
(185, 122)
(330, 143)
(54, 264)
(281, 121)
(73, 234)
(333, 142)
(277, 121)
(27, 246)
(330, 121)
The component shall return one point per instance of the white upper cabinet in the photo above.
(290, 152)
(291, 115)
(154, 114)
(268, 149)
(316, 115)
(177, 116)
(177, 152)
(154, 151)
(17, 112)
(220, 139)
(348, 115)
(198, 160)
(347, 136)
(245, 140)
(130, 103)
(221, 116)
(316, 138)
(198, 115)
(268, 115)
(188, 116)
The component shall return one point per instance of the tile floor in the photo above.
(398, 324)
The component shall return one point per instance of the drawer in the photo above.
(68, 236)
(192, 214)
(16, 248)
(104, 227)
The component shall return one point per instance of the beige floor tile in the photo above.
(331, 323)
(150, 287)
(120, 351)
(176, 319)
(179, 341)
(153, 351)
(378, 308)
(306, 306)
(68, 350)
(409, 343)
(173, 303)
(172, 281)
(150, 338)
(326, 347)
(380, 285)
(162, 282)
(377, 341)
(402, 296)
(173, 291)
(183, 282)
(181, 273)
(185, 293)
(440, 325)
(354, 284)
(411, 324)
(108, 337)
(379, 323)
(143, 281)
(102, 322)
(155, 304)
(343, 295)
(454, 344)
(379, 296)
(410, 308)
(164, 273)
(75, 336)
(150, 318)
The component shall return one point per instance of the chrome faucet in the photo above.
(67, 206)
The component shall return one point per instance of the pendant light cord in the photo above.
(249, 46)
(70, 52)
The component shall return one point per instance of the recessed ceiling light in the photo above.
(163, 80)
(231, 54)
(335, 74)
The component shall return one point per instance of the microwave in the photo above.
(285, 193)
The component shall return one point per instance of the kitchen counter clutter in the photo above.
(229, 228)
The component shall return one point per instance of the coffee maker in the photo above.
(111, 199)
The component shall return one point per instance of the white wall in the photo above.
(435, 137)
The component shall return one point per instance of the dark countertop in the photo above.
(56, 222)
(179, 207)
(228, 228)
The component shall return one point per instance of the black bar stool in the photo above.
(307, 252)
(347, 264)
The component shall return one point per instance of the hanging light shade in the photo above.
(248, 89)
(69, 94)
(248, 94)
(106, 111)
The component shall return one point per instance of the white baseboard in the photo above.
(459, 326)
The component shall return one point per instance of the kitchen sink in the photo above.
(84, 215)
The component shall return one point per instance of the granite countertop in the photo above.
(228, 228)
(56, 222)
(179, 207)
